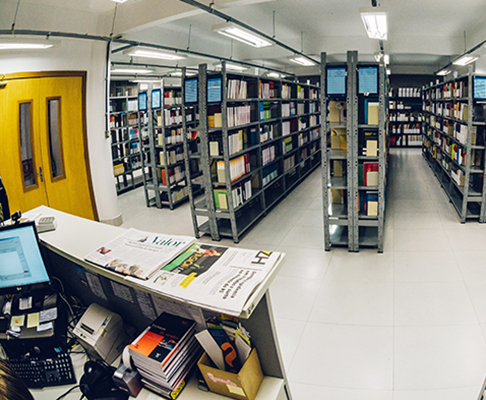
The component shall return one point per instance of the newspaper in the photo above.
(215, 277)
(138, 253)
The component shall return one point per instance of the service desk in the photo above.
(75, 237)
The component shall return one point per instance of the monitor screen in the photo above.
(156, 99)
(214, 90)
(190, 90)
(142, 101)
(368, 80)
(336, 81)
(479, 88)
(22, 264)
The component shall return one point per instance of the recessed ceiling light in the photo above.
(24, 46)
(375, 22)
(130, 71)
(302, 61)
(154, 54)
(464, 60)
(119, 1)
(275, 75)
(238, 33)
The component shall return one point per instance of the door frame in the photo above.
(60, 74)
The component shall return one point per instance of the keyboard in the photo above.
(42, 372)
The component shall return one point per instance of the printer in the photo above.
(101, 332)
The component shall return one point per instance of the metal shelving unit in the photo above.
(278, 148)
(345, 224)
(454, 143)
(165, 177)
(125, 134)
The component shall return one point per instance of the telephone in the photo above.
(45, 224)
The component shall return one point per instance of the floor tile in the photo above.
(472, 264)
(448, 394)
(315, 392)
(426, 266)
(308, 264)
(351, 357)
(293, 298)
(354, 303)
(426, 303)
(421, 240)
(289, 335)
(305, 236)
(439, 357)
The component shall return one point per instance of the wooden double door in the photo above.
(43, 151)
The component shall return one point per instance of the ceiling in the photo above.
(424, 35)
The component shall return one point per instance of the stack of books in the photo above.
(165, 353)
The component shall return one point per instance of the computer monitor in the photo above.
(22, 266)
(336, 81)
(142, 101)
(479, 88)
(156, 99)
(190, 90)
(214, 90)
(367, 80)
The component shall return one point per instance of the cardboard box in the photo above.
(243, 385)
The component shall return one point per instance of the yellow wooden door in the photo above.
(20, 155)
(59, 144)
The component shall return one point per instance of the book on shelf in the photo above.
(368, 143)
(138, 253)
(239, 167)
(338, 139)
(372, 109)
(287, 145)
(173, 175)
(337, 112)
(337, 196)
(368, 203)
(239, 194)
(370, 174)
(268, 155)
(289, 163)
(237, 89)
(239, 115)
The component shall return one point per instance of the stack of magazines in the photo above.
(165, 353)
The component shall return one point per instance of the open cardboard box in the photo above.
(243, 385)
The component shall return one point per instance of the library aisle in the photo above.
(408, 324)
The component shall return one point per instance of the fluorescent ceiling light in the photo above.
(145, 80)
(154, 54)
(119, 1)
(179, 73)
(387, 59)
(302, 61)
(232, 67)
(375, 22)
(388, 71)
(24, 46)
(236, 32)
(275, 75)
(130, 71)
(443, 72)
(464, 60)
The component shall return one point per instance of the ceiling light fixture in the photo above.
(386, 59)
(444, 72)
(179, 73)
(24, 46)
(130, 71)
(388, 71)
(375, 22)
(238, 33)
(302, 61)
(275, 75)
(464, 60)
(154, 54)
(145, 80)
(231, 67)
(119, 1)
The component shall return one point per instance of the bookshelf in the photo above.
(405, 117)
(126, 124)
(259, 138)
(165, 180)
(454, 141)
(354, 153)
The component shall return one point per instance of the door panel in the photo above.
(58, 143)
(69, 191)
(23, 195)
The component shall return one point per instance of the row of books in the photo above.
(368, 203)
(239, 194)
(235, 142)
(289, 163)
(304, 153)
(172, 97)
(237, 89)
(269, 173)
(239, 167)
(368, 174)
(172, 117)
(123, 134)
(405, 117)
(172, 136)
(287, 145)
(288, 109)
(267, 90)
(238, 115)
(451, 90)
(124, 150)
(268, 155)
(268, 132)
(172, 175)
(405, 128)
(120, 105)
(405, 92)
(173, 156)
(268, 110)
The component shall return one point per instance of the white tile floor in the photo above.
(408, 324)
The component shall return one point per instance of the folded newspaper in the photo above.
(139, 254)
(216, 277)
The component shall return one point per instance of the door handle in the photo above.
(40, 174)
